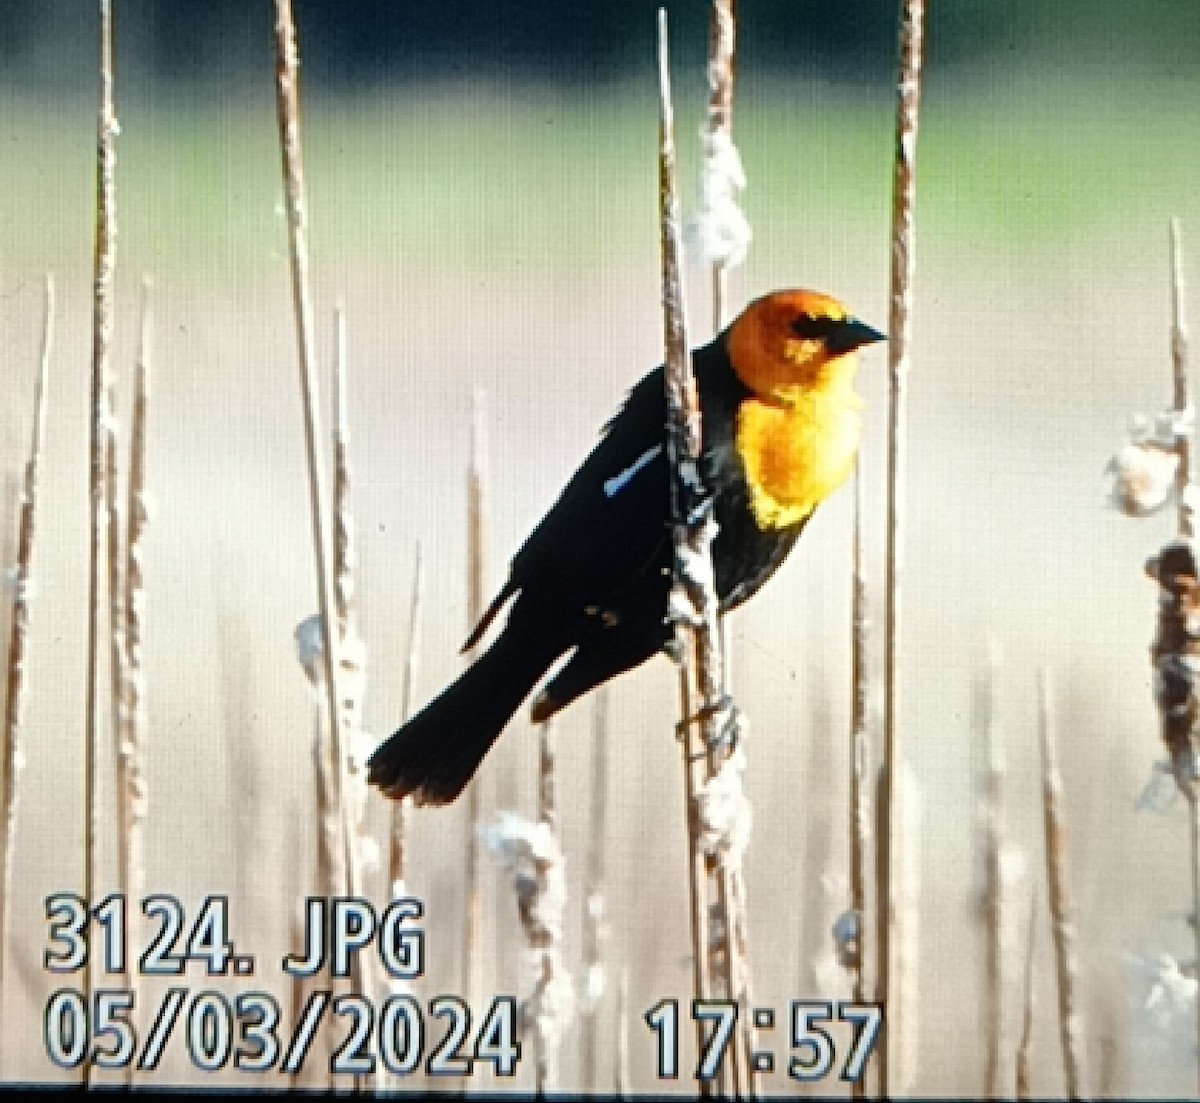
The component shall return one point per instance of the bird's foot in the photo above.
(725, 731)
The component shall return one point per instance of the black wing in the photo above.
(608, 536)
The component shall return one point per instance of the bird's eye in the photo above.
(815, 328)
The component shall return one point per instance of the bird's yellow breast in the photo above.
(797, 454)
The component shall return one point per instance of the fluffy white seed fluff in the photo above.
(725, 817)
(1143, 478)
(310, 649)
(521, 845)
(720, 231)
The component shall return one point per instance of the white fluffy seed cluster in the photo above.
(310, 650)
(521, 846)
(532, 857)
(1144, 470)
(1169, 988)
(725, 817)
(721, 231)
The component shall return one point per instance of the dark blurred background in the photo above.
(361, 42)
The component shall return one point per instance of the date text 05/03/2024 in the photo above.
(100, 1028)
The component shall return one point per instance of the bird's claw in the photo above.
(726, 731)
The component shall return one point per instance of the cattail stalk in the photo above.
(995, 911)
(543, 941)
(593, 893)
(351, 650)
(532, 855)
(1183, 449)
(908, 98)
(104, 272)
(332, 780)
(131, 716)
(117, 655)
(1025, 1046)
(1062, 922)
(288, 114)
(860, 812)
(400, 808)
(694, 601)
(684, 437)
(1182, 387)
(476, 537)
(621, 1056)
(14, 694)
(722, 30)
(116, 592)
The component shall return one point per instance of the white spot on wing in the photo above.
(618, 483)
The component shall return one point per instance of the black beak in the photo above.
(852, 334)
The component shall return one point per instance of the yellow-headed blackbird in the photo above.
(780, 430)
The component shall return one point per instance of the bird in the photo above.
(780, 427)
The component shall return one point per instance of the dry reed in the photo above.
(14, 689)
(718, 814)
(476, 559)
(860, 809)
(1025, 1045)
(621, 1051)
(1186, 767)
(132, 795)
(684, 440)
(352, 652)
(594, 926)
(400, 809)
(117, 662)
(1062, 923)
(1181, 387)
(551, 1003)
(1176, 646)
(334, 786)
(288, 114)
(995, 912)
(908, 100)
(331, 870)
(722, 230)
(116, 602)
(104, 273)
(531, 854)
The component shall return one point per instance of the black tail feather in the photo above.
(436, 753)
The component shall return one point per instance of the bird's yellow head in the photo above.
(790, 343)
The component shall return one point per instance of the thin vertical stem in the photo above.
(908, 97)
(542, 941)
(400, 808)
(1024, 1048)
(694, 529)
(1193, 799)
(14, 697)
(684, 440)
(722, 30)
(1182, 387)
(1183, 449)
(994, 904)
(117, 663)
(104, 272)
(621, 1063)
(131, 773)
(593, 891)
(288, 112)
(476, 557)
(1070, 1028)
(351, 652)
(860, 822)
